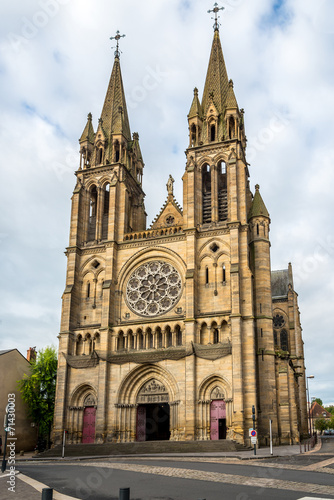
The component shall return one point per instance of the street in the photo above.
(185, 478)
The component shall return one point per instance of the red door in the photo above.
(88, 430)
(141, 423)
(218, 414)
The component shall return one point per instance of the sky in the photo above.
(56, 58)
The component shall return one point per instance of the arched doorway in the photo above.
(218, 420)
(153, 412)
(89, 416)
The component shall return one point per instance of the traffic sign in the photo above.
(253, 440)
(253, 433)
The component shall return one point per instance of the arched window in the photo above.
(169, 337)
(120, 345)
(213, 133)
(257, 229)
(131, 340)
(222, 192)
(206, 275)
(149, 339)
(284, 340)
(100, 155)
(204, 334)
(105, 218)
(232, 128)
(215, 336)
(79, 345)
(159, 338)
(140, 339)
(206, 194)
(88, 290)
(224, 273)
(117, 152)
(92, 213)
(178, 335)
(193, 135)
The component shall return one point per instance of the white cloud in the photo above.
(282, 65)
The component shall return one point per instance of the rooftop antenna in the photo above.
(117, 38)
(215, 10)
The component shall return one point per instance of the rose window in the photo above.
(154, 288)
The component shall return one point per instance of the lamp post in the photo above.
(308, 402)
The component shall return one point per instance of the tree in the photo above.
(330, 409)
(321, 425)
(319, 401)
(38, 391)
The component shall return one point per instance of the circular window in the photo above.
(153, 289)
(278, 321)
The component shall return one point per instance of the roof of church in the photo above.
(280, 283)
(114, 114)
(258, 207)
(216, 83)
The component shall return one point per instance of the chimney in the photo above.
(31, 354)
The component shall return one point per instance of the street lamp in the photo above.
(308, 402)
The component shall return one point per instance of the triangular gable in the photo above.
(170, 215)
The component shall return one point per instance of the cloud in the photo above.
(55, 63)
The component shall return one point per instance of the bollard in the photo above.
(124, 494)
(47, 494)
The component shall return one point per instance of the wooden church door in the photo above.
(218, 420)
(88, 430)
(141, 423)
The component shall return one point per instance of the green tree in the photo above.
(321, 425)
(330, 409)
(38, 391)
(331, 423)
(319, 401)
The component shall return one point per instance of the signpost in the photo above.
(253, 431)
(7, 429)
(271, 436)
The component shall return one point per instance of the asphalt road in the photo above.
(161, 478)
(93, 482)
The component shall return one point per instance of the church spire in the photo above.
(114, 114)
(216, 84)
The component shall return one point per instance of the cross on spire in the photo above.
(215, 10)
(117, 38)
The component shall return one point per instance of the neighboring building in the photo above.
(172, 332)
(318, 411)
(13, 367)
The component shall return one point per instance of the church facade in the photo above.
(179, 331)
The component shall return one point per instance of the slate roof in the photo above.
(280, 283)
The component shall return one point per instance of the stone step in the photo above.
(147, 447)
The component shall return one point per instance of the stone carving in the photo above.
(217, 393)
(89, 400)
(153, 392)
(170, 185)
(153, 289)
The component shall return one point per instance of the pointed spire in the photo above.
(196, 108)
(216, 84)
(114, 113)
(88, 133)
(231, 101)
(258, 207)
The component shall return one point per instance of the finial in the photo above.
(215, 10)
(117, 38)
(257, 187)
(231, 84)
(90, 116)
(195, 91)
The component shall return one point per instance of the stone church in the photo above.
(181, 330)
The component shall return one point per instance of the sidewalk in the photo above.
(279, 451)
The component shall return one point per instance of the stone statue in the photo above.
(170, 185)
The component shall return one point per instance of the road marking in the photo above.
(317, 465)
(217, 477)
(39, 487)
